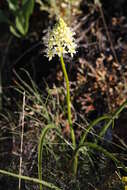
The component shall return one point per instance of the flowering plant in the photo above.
(59, 41)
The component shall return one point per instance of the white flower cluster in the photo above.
(60, 40)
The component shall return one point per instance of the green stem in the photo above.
(46, 184)
(68, 101)
(75, 163)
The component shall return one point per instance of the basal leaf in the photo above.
(22, 18)
(13, 4)
(20, 23)
(14, 32)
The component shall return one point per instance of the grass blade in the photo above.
(40, 149)
(46, 184)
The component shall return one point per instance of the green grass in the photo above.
(54, 151)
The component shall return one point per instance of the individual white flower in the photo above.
(60, 40)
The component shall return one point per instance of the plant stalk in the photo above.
(68, 101)
(75, 163)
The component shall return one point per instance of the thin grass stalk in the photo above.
(24, 83)
(111, 121)
(100, 149)
(95, 122)
(40, 149)
(35, 180)
(35, 90)
(22, 133)
(114, 116)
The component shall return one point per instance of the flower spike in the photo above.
(60, 40)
